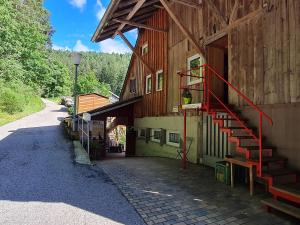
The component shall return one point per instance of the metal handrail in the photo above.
(208, 92)
(262, 114)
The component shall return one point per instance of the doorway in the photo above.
(218, 60)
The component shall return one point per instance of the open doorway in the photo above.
(218, 60)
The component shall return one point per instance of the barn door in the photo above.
(218, 60)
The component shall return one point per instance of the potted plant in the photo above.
(187, 96)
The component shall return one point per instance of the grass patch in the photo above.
(55, 99)
(35, 104)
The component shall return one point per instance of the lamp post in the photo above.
(76, 60)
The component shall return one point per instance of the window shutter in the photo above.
(163, 134)
(148, 134)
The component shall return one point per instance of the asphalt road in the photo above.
(40, 184)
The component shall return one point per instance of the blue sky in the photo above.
(75, 21)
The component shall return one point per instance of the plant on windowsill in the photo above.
(187, 96)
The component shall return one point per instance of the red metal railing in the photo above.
(207, 73)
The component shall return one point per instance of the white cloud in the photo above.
(78, 3)
(57, 47)
(113, 46)
(79, 47)
(101, 10)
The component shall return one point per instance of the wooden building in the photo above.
(239, 59)
(87, 102)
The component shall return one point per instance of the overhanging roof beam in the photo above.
(137, 6)
(139, 25)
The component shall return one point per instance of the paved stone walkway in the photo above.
(164, 194)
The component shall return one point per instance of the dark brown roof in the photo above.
(120, 10)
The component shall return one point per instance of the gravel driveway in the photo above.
(40, 184)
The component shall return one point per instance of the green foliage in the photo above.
(109, 69)
(26, 59)
(89, 84)
(17, 100)
(70, 110)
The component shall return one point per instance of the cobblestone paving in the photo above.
(164, 194)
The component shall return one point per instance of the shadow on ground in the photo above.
(36, 165)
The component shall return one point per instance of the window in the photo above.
(132, 85)
(142, 133)
(159, 80)
(145, 49)
(193, 63)
(173, 138)
(155, 135)
(148, 84)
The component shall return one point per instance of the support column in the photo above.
(184, 141)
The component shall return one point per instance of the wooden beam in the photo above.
(189, 3)
(233, 13)
(183, 29)
(233, 25)
(137, 6)
(217, 13)
(139, 25)
(136, 52)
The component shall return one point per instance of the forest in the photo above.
(30, 69)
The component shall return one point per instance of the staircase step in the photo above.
(270, 159)
(279, 172)
(283, 207)
(243, 137)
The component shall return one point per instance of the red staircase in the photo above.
(249, 141)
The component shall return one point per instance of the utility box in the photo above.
(222, 172)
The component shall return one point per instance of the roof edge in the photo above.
(105, 17)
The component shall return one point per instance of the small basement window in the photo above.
(132, 85)
(148, 84)
(159, 80)
(142, 133)
(193, 64)
(155, 135)
(173, 138)
(145, 49)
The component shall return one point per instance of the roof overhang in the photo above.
(115, 106)
(137, 11)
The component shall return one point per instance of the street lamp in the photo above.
(76, 57)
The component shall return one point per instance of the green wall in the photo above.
(173, 123)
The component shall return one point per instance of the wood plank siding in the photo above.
(154, 103)
(89, 102)
(263, 52)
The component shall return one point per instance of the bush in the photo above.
(11, 101)
(15, 97)
(70, 110)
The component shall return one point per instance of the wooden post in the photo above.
(183, 29)
(184, 142)
(136, 53)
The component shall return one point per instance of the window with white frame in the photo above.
(159, 80)
(132, 85)
(173, 138)
(155, 135)
(142, 133)
(145, 49)
(148, 84)
(193, 66)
